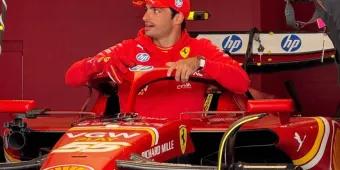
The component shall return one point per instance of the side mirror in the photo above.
(17, 106)
(282, 107)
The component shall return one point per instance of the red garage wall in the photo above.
(56, 33)
(50, 35)
(317, 87)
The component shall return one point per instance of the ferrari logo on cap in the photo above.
(185, 52)
(178, 3)
(183, 133)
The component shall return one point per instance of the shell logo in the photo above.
(69, 167)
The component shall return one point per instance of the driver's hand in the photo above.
(184, 68)
(117, 68)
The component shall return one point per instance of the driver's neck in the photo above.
(168, 41)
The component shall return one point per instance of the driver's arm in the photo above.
(112, 60)
(218, 66)
(224, 69)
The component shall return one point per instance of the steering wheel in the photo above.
(139, 78)
(143, 78)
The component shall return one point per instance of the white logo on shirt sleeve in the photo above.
(143, 57)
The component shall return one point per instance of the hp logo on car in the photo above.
(232, 43)
(291, 43)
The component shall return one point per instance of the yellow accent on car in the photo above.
(69, 167)
(207, 102)
(314, 150)
(9, 158)
(183, 135)
(152, 131)
(203, 15)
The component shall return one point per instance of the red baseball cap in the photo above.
(182, 6)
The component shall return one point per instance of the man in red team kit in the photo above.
(163, 42)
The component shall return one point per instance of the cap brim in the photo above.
(157, 4)
(153, 3)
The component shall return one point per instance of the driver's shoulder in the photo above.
(129, 45)
(200, 41)
(129, 42)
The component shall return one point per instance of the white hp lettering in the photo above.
(291, 44)
(232, 44)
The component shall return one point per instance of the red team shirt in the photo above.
(167, 98)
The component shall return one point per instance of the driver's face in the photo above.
(157, 22)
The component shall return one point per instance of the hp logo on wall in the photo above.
(232, 43)
(291, 43)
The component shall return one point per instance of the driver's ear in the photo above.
(178, 18)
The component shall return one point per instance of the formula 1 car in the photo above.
(233, 133)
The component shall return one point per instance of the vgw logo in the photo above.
(291, 43)
(232, 43)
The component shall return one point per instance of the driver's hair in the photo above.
(173, 14)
